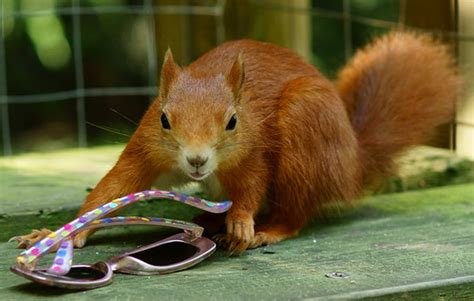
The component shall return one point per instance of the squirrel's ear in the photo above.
(235, 77)
(169, 73)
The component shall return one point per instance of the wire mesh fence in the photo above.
(77, 13)
(79, 93)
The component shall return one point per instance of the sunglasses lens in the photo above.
(167, 254)
(79, 277)
(85, 273)
(78, 273)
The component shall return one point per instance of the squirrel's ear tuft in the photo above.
(236, 76)
(169, 73)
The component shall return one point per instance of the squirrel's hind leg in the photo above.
(318, 158)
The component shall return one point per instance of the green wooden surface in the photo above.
(412, 245)
(450, 292)
(34, 182)
(423, 167)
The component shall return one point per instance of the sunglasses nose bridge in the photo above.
(122, 264)
(131, 265)
(112, 264)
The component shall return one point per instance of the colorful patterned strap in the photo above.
(28, 258)
(63, 260)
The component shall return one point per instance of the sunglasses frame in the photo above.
(125, 263)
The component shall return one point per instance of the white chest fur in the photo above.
(177, 181)
(170, 181)
(213, 188)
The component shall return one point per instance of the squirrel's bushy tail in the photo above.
(397, 90)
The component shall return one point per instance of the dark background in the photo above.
(121, 45)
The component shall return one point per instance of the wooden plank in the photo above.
(387, 242)
(46, 182)
(463, 291)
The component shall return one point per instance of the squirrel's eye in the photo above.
(232, 123)
(164, 122)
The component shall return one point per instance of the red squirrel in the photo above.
(256, 124)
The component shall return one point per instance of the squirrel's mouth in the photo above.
(198, 176)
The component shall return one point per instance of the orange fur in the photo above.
(298, 142)
(397, 90)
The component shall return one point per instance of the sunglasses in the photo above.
(172, 254)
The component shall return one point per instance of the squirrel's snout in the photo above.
(197, 161)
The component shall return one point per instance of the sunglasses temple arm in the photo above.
(194, 230)
(214, 207)
(63, 260)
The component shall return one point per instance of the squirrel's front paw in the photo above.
(26, 241)
(240, 233)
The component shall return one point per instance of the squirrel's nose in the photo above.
(196, 161)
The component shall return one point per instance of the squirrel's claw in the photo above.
(21, 242)
(237, 247)
(238, 238)
(26, 241)
(233, 245)
(221, 240)
(260, 239)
